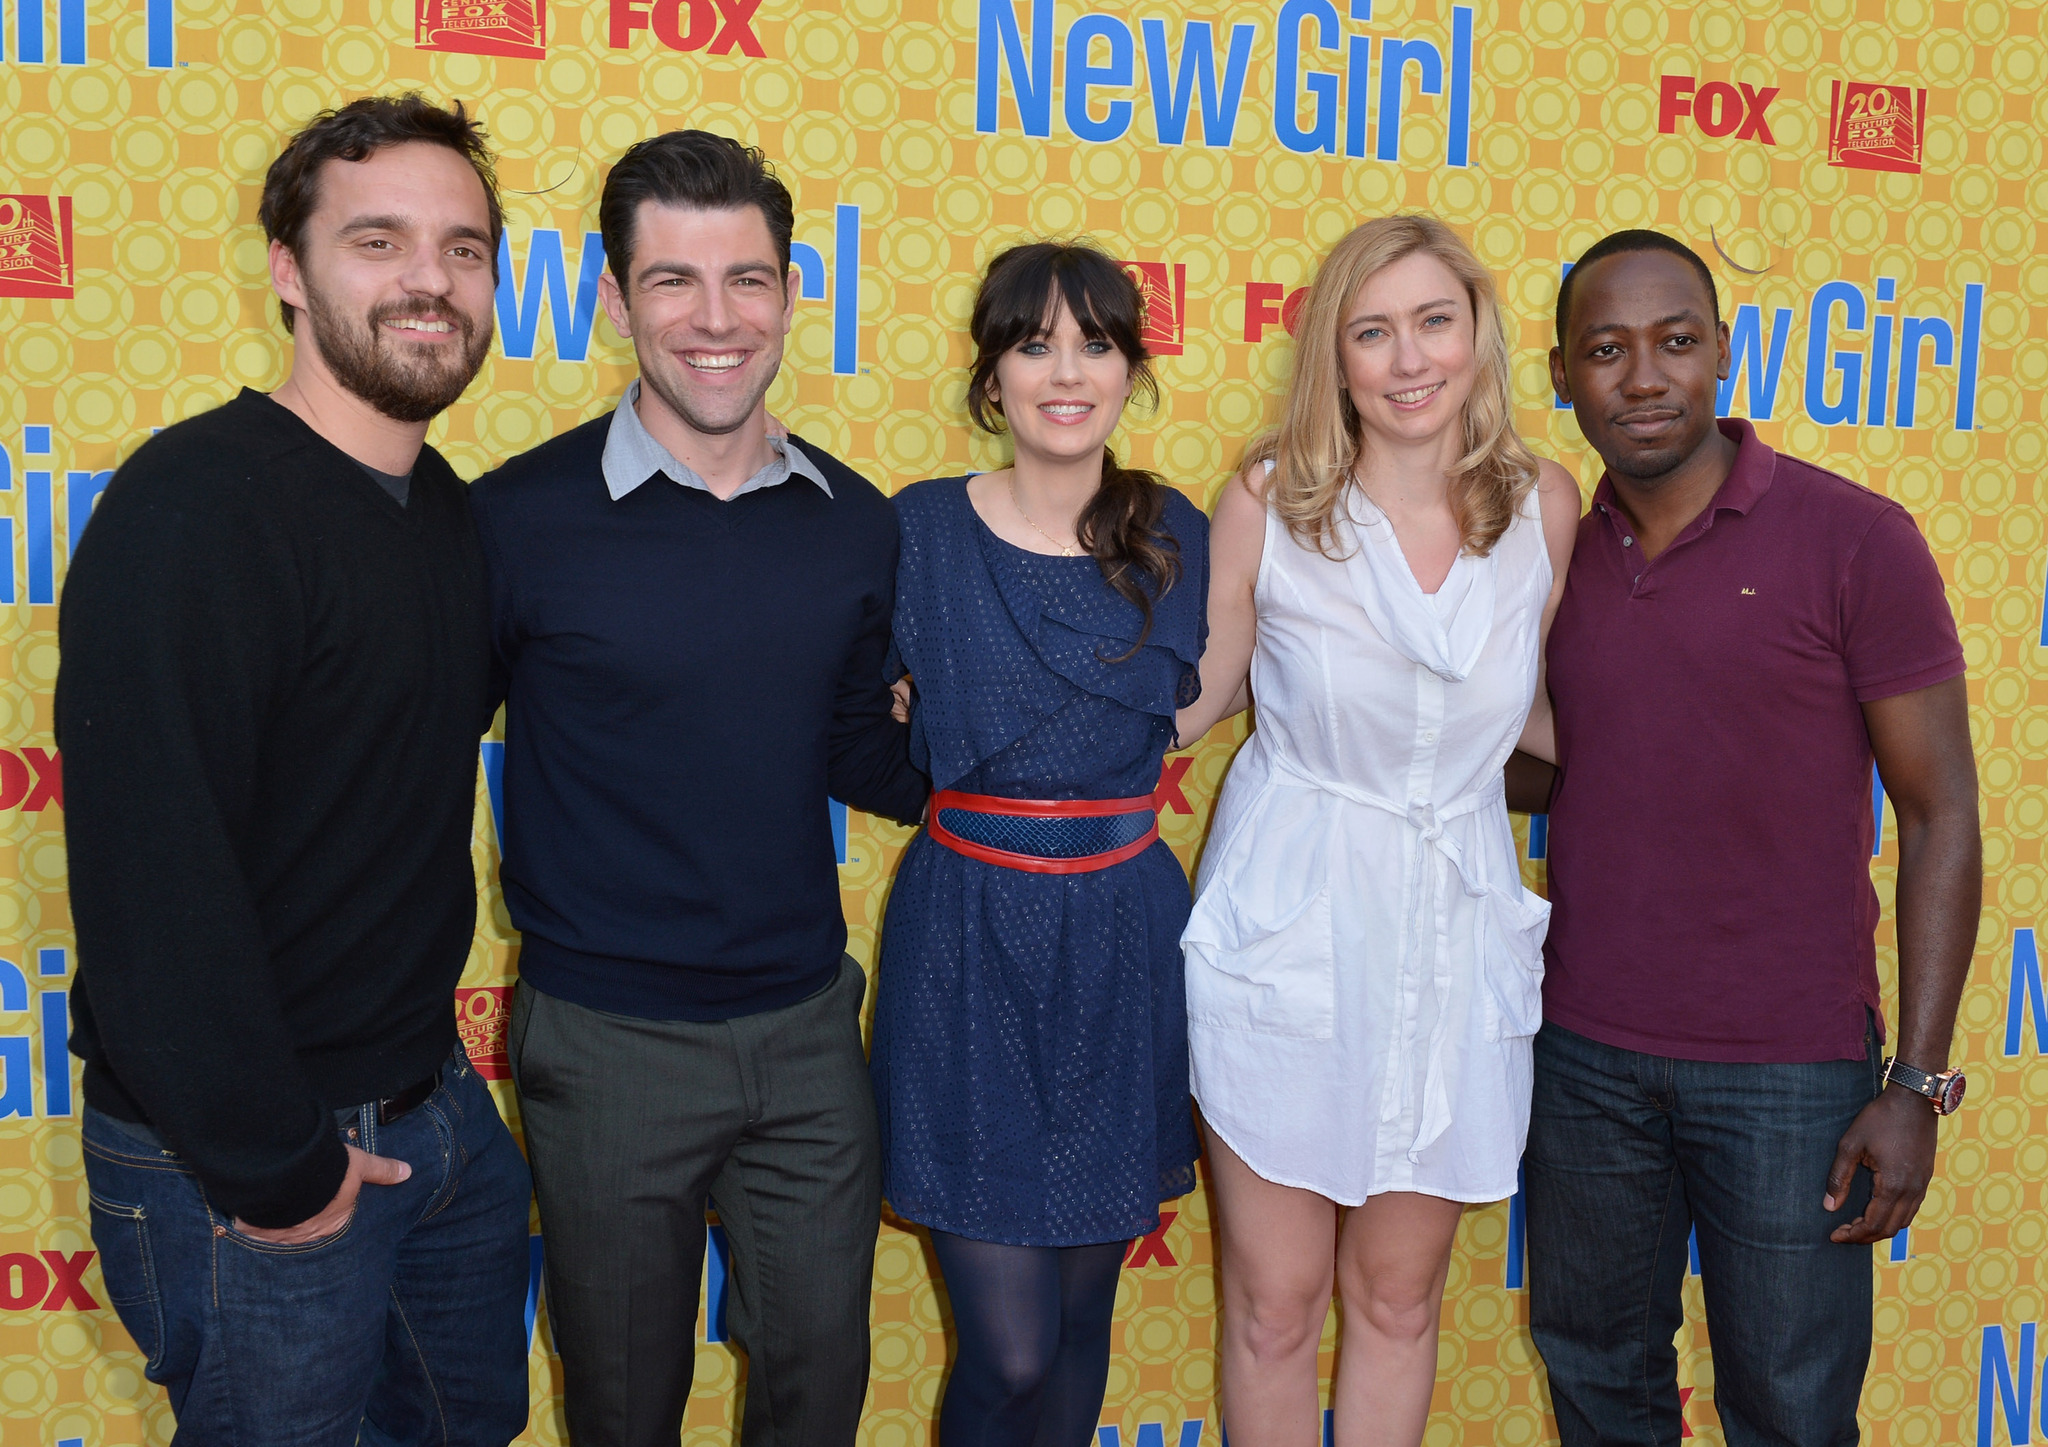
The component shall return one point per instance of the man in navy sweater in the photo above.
(690, 618)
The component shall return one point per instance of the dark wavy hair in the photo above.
(356, 132)
(1020, 297)
(694, 169)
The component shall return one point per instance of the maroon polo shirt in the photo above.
(1710, 837)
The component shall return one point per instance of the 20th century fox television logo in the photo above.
(482, 27)
(518, 28)
(1165, 291)
(35, 246)
(1873, 126)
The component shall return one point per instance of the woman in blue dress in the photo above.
(1030, 1046)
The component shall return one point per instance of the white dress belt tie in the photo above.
(1505, 910)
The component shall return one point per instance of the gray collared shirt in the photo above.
(631, 456)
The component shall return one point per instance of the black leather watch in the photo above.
(1944, 1091)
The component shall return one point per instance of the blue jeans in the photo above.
(1628, 1153)
(406, 1326)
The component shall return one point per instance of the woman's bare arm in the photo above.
(1237, 540)
(1558, 498)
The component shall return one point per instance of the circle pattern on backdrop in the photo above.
(872, 102)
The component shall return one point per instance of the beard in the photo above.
(404, 388)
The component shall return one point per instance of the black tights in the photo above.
(1033, 1329)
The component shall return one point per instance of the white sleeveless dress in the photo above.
(1364, 967)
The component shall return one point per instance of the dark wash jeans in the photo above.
(407, 1326)
(1627, 1154)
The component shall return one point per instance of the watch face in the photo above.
(1951, 1093)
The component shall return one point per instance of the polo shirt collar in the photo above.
(632, 456)
(1742, 489)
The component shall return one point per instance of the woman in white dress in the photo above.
(1363, 964)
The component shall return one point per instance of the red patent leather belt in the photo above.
(1054, 826)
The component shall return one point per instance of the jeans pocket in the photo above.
(293, 1248)
(128, 1267)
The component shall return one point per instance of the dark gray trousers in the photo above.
(632, 1127)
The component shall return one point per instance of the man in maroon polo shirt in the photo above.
(1740, 634)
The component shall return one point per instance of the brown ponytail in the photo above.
(1122, 527)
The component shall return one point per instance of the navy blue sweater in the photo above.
(687, 682)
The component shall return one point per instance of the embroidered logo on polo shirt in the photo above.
(1749, 592)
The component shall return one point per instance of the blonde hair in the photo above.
(1318, 440)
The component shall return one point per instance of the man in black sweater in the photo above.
(690, 618)
(275, 671)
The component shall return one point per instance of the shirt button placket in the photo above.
(1628, 542)
(1429, 723)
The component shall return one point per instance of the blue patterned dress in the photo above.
(1030, 1048)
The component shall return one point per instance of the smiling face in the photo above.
(1640, 360)
(707, 305)
(1406, 350)
(392, 280)
(1062, 392)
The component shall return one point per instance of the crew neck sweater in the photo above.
(688, 683)
(274, 678)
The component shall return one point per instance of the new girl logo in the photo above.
(482, 27)
(35, 246)
(1876, 127)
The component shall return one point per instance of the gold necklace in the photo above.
(1066, 550)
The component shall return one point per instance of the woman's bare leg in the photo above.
(1277, 1252)
(1393, 1256)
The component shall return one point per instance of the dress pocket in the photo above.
(1275, 976)
(120, 1232)
(1513, 963)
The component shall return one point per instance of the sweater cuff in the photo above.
(907, 808)
(297, 1194)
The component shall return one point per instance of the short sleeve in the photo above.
(1897, 632)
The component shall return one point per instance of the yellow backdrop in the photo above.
(1866, 177)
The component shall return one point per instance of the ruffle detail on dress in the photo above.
(1082, 628)
(971, 702)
